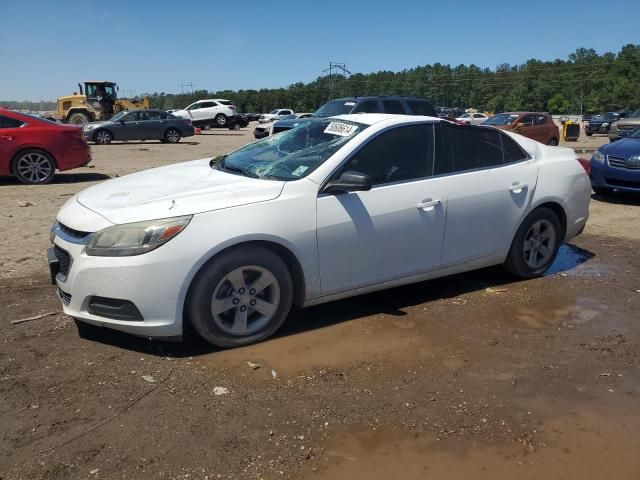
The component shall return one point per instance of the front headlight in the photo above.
(135, 238)
(89, 127)
(598, 156)
(605, 124)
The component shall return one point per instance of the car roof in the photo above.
(373, 118)
(367, 97)
(212, 100)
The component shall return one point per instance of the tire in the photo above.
(172, 135)
(235, 127)
(206, 128)
(602, 190)
(231, 320)
(221, 120)
(526, 259)
(588, 134)
(102, 137)
(34, 167)
(553, 142)
(78, 118)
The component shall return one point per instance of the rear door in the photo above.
(151, 124)
(10, 133)
(489, 184)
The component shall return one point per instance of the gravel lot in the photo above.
(472, 376)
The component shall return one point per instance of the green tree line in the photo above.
(586, 82)
(27, 105)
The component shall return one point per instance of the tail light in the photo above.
(586, 164)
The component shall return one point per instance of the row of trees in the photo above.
(585, 82)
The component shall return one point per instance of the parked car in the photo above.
(372, 201)
(472, 118)
(216, 112)
(276, 114)
(382, 104)
(290, 121)
(32, 148)
(262, 130)
(625, 126)
(139, 125)
(617, 165)
(600, 123)
(586, 117)
(535, 125)
(252, 117)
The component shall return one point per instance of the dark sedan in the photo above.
(617, 165)
(139, 125)
(601, 123)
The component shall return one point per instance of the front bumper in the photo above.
(597, 128)
(258, 134)
(604, 175)
(150, 282)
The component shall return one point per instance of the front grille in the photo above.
(627, 127)
(620, 162)
(75, 234)
(64, 296)
(64, 258)
(614, 182)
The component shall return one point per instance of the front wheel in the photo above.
(172, 135)
(34, 167)
(588, 134)
(535, 245)
(240, 298)
(221, 120)
(102, 137)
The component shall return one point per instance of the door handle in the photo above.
(518, 187)
(429, 203)
(6, 137)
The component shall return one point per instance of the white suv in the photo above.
(214, 112)
(276, 114)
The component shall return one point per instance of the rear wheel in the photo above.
(535, 245)
(34, 167)
(102, 137)
(78, 118)
(221, 120)
(588, 134)
(552, 142)
(241, 298)
(172, 136)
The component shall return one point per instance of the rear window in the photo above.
(225, 102)
(511, 150)
(470, 148)
(368, 106)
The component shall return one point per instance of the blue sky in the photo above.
(47, 46)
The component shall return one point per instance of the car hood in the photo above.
(101, 123)
(625, 147)
(181, 189)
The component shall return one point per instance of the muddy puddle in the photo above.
(578, 445)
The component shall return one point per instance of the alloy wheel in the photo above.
(245, 300)
(34, 167)
(539, 244)
(103, 137)
(173, 136)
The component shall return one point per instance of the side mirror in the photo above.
(349, 182)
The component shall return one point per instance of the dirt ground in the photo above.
(473, 376)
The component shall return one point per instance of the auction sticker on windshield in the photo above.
(341, 129)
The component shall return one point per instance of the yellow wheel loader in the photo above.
(98, 101)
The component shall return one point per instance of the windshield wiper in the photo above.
(220, 162)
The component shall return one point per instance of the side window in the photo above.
(8, 122)
(472, 147)
(393, 106)
(527, 120)
(152, 115)
(286, 112)
(131, 117)
(368, 106)
(541, 120)
(511, 150)
(195, 106)
(207, 104)
(421, 108)
(404, 153)
(478, 115)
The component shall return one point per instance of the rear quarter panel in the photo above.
(562, 180)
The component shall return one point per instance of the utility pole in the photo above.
(339, 68)
(189, 85)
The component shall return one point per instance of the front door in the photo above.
(394, 230)
(131, 127)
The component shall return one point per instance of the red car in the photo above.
(32, 148)
(535, 125)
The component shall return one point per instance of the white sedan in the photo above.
(472, 118)
(333, 208)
